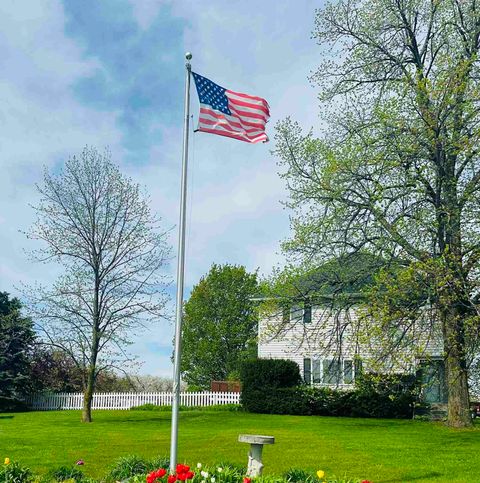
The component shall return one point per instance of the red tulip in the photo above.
(247, 480)
(190, 475)
(160, 473)
(171, 479)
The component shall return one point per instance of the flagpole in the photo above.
(180, 273)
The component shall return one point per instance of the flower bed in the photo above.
(132, 469)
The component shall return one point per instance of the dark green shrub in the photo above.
(12, 405)
(262, 373)
(126, 467)
(385, 395)
(269, 386)
(15, 473)
(325, 401)
(374, 396)
(64, 473)
(283, 400)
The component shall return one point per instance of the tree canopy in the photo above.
(16, 347)
(97, 224)
(396, 171)
(219, 326)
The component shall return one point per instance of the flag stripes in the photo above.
(229, 113)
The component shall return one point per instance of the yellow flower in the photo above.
(320, 474)
(7, 461)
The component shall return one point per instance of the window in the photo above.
(307, 313)
(317, 371)
(347, 372)
(358, 366)
(307, 371)
(296, 313)
(331, 372)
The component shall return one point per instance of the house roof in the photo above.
(346, 276)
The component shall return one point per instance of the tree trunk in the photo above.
(456, 371)
(88, 396)
(458, 398)
(90, 386)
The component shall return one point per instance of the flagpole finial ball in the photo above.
(188, 56)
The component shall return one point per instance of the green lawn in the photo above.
(380, 450)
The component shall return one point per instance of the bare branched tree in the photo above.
(98, 226)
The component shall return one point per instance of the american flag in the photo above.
(229, 113)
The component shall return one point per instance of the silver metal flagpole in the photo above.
(180, 273)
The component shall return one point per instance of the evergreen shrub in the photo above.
(263, 373)
(273, 387)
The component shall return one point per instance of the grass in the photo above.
(384, 451)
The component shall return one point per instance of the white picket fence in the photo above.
(127, 400)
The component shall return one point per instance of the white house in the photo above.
(329, 352)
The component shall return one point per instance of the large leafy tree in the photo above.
(98, 226)
(396, 171)
(16, 346)
(219, 327)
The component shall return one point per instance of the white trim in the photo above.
(321, 361)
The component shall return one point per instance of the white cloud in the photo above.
(145, 11)
(41, 121)
(234, 210)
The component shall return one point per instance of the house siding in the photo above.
(327, 336)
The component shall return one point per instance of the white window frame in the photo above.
(318, 363)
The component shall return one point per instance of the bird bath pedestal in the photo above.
(255, 465)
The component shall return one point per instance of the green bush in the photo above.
(64, 473)
(15, 473)
(385, 395)
(283, 400)
(262, 373)
(325, 401)
(12, 405)
(128, 466)
(374, 396)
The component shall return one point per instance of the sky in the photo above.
(111, 74)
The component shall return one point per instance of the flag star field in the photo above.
(211, 93)
(229, 113)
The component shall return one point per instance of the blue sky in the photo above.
(111, 73)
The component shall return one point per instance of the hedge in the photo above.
(263, 373)
(391, 396)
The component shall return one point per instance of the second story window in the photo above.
(307, 313)
(296, 313)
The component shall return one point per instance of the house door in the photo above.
(433, 381)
